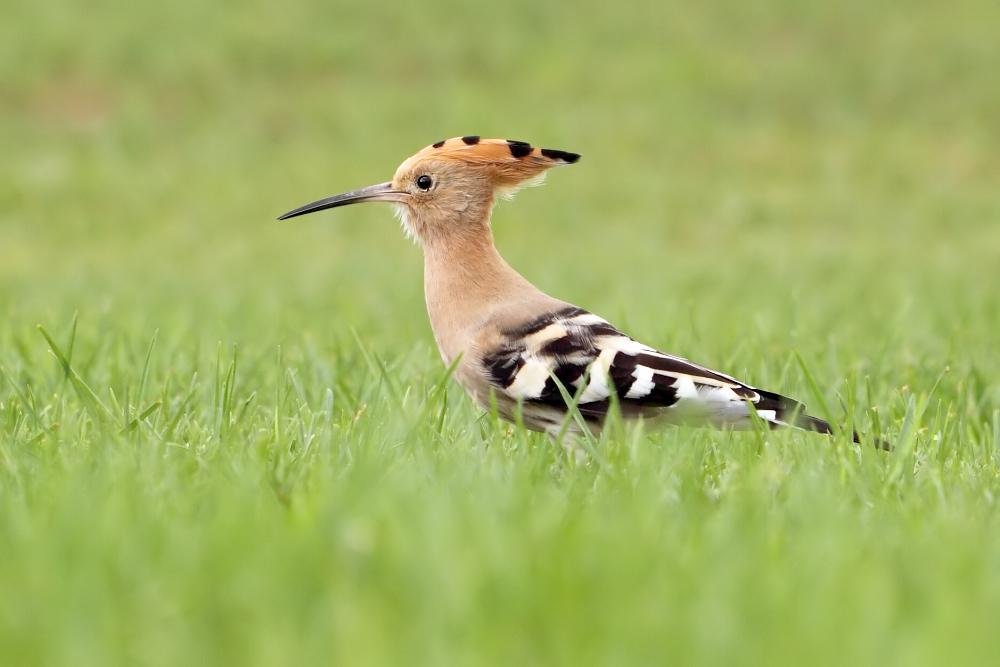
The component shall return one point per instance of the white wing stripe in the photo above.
(685, 388)
(643, 384)
(620, 344)
(586, 319)
(530, 380)
(597, 388)
(534, 342)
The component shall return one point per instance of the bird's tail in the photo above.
(808, 423)
(789, 412)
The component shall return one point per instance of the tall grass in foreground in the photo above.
(336, 506)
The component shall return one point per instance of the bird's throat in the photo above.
(465, 281)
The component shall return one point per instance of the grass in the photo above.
(232, 441)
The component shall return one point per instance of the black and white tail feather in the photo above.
(577, 347)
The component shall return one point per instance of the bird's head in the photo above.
(453, 184)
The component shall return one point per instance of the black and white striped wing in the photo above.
(577, 346)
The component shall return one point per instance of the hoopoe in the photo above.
(515, 345)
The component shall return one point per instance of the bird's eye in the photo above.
(424, 182)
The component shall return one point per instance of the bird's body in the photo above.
(514, 346)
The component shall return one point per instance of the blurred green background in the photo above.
(757, 178)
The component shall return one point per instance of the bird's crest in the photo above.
(511, 162)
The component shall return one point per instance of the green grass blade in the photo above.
(87, 395)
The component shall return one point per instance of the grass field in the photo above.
(239, 446)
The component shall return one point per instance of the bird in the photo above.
(535, 359)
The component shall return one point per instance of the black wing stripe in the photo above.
(567, 374)
(603, 329)
(663, 393)
(566, 346)
(542, 321)
(621, 372)
(783, 405)
(680, 366)
(676, 365)
(503, 366)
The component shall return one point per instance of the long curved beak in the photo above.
(380, 192)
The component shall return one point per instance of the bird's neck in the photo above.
(465, 282)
